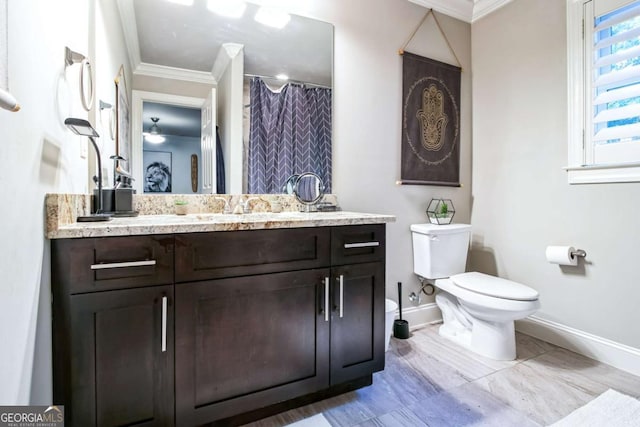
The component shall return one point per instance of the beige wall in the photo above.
(367, 119)
(521, 199)
(39, 156)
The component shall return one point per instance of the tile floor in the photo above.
(429, 381)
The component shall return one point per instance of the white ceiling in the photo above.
(174, 120)
(465, 10)
(188, 38)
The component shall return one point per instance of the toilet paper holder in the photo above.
(579, 253)
(564, 255)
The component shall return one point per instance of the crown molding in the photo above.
(459, 9)
(164, 72)
(482, 8)
(130, 30)
(465, 10)
(228, 52)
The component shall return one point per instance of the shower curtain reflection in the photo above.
(290, 133)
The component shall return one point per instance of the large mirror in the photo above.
(193, 47)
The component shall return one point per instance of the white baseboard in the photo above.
(612, 353)
(601, 349)
(421, 315)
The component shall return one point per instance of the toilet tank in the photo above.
(440, 250)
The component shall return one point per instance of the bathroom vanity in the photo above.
(222, 320)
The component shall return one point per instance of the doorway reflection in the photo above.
(168, 165)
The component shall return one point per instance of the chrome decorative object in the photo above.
(308, 189)
(70, 58)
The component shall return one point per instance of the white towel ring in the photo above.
(112, 123)
(86, 104)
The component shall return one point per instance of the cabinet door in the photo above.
(249, 342)
(357, 321)
(122, 358)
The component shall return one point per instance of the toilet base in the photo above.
(495, 340)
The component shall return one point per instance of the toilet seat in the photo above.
(489, 302)
(495, 287)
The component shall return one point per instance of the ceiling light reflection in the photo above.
(228, 8)
(182, 2)
(272, 17)
(154, 139)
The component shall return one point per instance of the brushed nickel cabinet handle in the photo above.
(164, 323)
(107, 266)
(326, 299)
(361, 245)
(341, 295)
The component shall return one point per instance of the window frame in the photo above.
(578, 170)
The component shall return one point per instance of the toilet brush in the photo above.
(400, 327)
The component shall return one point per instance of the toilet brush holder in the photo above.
(400, 327)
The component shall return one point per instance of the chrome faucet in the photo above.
(245, 204)
(227, 207)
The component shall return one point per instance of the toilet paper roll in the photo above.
(561, 255)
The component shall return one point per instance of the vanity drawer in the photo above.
(352, 244)
(105, 263)
(204, 256)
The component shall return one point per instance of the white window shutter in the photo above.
(613, 41)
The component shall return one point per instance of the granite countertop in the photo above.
(203, 222)
(157, 215)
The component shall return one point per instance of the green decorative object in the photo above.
(440, 211)
(182, 207)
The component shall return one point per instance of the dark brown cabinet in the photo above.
(122, 358)
(357, 321)
(357, 326)
(249, 342)
(201, 328)
(113, 341)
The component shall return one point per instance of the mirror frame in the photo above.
(321, 188)
(138, 99)
(290, 184)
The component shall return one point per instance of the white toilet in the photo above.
(478, 310)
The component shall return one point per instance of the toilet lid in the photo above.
(494, 286)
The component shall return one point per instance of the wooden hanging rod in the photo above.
(439, 183)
